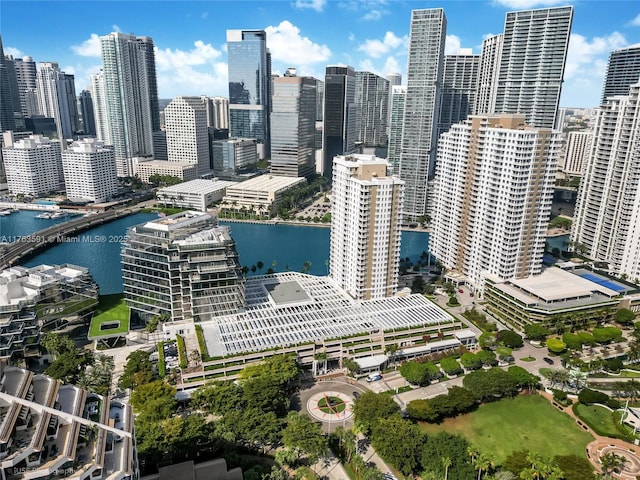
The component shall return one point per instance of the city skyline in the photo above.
(370, 35)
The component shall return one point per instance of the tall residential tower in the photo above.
(422, 104)
(365, 227)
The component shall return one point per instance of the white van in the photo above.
(374, 377)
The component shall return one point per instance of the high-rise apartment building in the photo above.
(372, 103)
(394, 79)
(532, 60)
(340, 128)
(130, 97)
(86, 113)
(100, 107)
(578, 149)
(488, 72)
(187, 133)
(26, 75)
(33, 165)
(217, 112)
(607, 216)
(293, 126)
(396, 117)
(249, 87)
(7, 119)
(89, 169)
(459, 82)
(184, 265)
(365, 226)
(57, 98)
(422, 105)
(493, 192)
(623, 70)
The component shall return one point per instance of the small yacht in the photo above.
(58, 215)
(4, 213)
(44, 215)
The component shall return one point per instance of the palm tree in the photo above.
(612, 463)
(446, 463)
(322, 356)
(390, 350)
(483, 463)
(578, 378)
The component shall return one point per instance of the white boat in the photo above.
(4, 213)
(44, 215)
(58, 215)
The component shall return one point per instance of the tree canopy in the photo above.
(371, 407)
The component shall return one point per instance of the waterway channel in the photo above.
(99, 248)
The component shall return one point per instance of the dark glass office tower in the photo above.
(7, 120)
(85, 107)
(249, 80)
(340, 127)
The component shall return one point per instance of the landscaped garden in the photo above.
(331, 405)
(599, 418)
(111, 317)
(524, 422)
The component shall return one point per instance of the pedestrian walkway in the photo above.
(603, 445)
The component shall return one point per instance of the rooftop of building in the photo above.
(198, 186)
(557, 287)
(21, 284)
(88, 145)
(292, 308)
(268, 183)
(84, 431)
(178, 221)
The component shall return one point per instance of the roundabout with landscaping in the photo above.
(330, 406)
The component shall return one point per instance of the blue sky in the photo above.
(308, 34)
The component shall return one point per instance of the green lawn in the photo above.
(111, 308)
(525, 422)
(599, 419)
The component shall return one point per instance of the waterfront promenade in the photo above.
(12, 252)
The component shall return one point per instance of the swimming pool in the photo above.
(45, 202)
(605, 282)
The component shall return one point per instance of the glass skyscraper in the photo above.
(249, 81)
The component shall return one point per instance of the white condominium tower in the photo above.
(187, 133)
(398, 97)
(578, 149)
(607, 217)
(100, 107)
(32, 165)
(89, 171)
(493, 191)
(528, 76)
(365, 226)
(424, 78)
(128, 68)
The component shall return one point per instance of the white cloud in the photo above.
(191, 72)
(391, 65)
(635, 22)
(88, 48)
(115, 28)
(374, 14)
(351, 37)
(289, 47)
(452, 45)
(317, 5)
(204, 15)
(585, 68)
(13, 51)
(520, 4)
(584, 54)
(377, 48)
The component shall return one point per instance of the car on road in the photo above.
(460, 290)
(389, 476)
(356, 395)
(374, 377)
(548, 360)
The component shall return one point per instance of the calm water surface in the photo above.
(286, 245)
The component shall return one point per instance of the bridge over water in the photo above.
(12, 253)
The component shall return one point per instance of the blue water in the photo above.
(98, 249)
(45, 202)
(24, 223)
(289, 246)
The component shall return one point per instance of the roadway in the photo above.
(13, 252)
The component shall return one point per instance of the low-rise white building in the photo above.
(89, 168)
(33, 165)
(144, 168)
(260, 192)
(196, 194)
